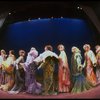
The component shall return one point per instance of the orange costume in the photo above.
(90, 61)
(8, 75)
(63, 73)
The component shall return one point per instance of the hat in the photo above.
(3, 51)
(76, 49)
(32, 48)
(21, 51)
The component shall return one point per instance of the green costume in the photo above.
(80, 83)
(48, 71)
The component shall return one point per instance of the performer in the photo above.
(89, 63)
(2, 58)
(63, 72)
(79, 82)
(19, 74)
(98, 64)
(10, 60)
(48, 59)
(7, 68)
(32, 86)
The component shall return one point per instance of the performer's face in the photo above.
(61, 48)
(22, 54)
(73, 50)
(45, 49)
(2, 53)
(86, 48)
(9, 52)
(97, 46)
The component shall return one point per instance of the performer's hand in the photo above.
(38, 68)
(80, 68)
(44, 61)
(94, 64)
(24, 69)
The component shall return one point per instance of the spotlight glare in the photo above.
(78, 7)
(9, 13)
(52, 17)
(61, 17)
(39, 18)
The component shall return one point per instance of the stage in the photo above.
(93, 93)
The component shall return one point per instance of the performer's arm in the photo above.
(78, 57)
(93, 58)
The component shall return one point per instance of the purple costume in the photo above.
(30, 82)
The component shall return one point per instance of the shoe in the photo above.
(16, 92)
(11, 92)
(45, 93)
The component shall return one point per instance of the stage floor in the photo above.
(93, 93)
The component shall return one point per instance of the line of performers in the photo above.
(17, 75)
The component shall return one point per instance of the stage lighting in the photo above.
(78, 7)
(39, 18)
(52, 17)
(61, 17)
(9, 13)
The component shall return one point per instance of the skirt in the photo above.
(80, 84)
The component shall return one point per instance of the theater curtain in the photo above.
(3, 16)
(91, 14)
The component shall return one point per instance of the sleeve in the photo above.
(97, 56)
(84, 64)
(44, 55)
(1, 60)
(55, 55)
(78, 59)
(93, 58)
(13, 60)
(41, 65)
(34, 52)
(18, 60)
(39, 58)
(63, 57)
